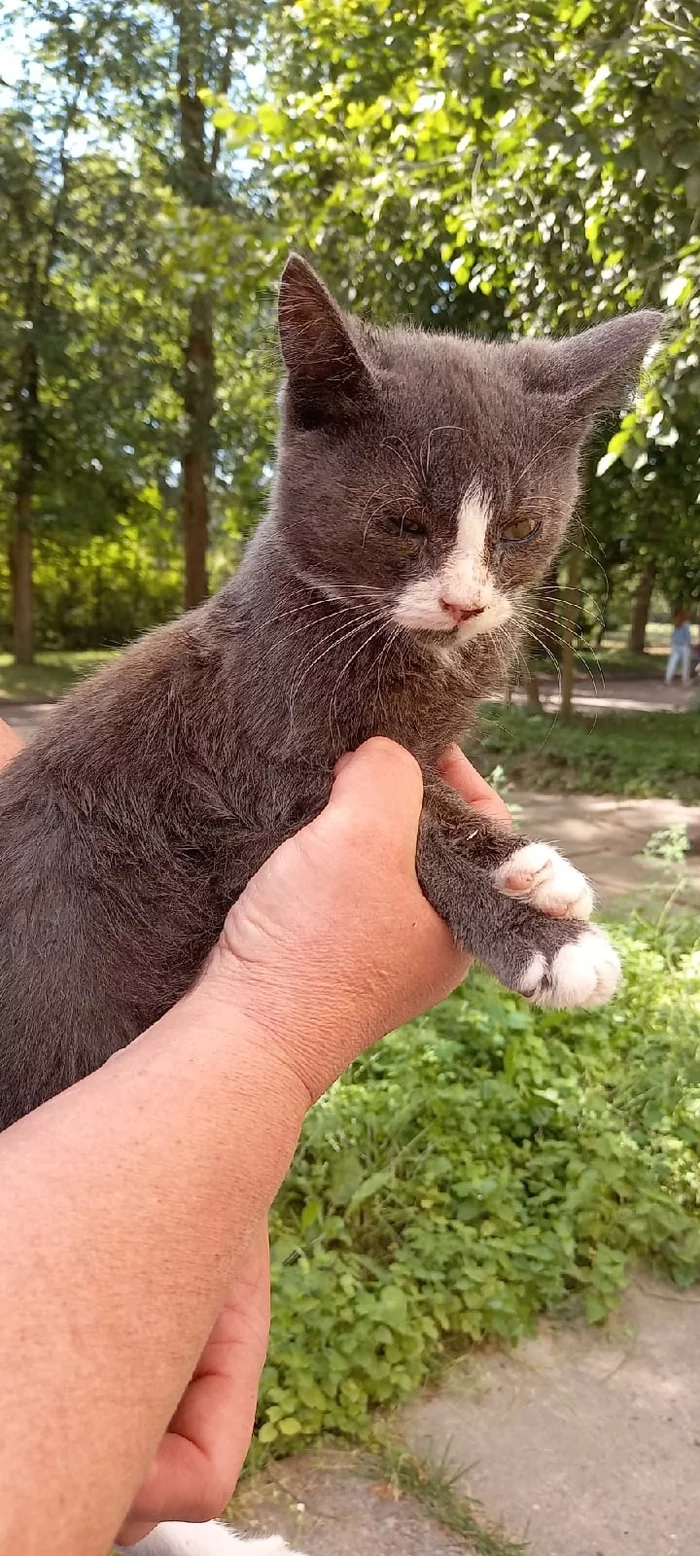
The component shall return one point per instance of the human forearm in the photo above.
(129, 1201)
(138, 1192)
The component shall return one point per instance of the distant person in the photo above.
(681, 646)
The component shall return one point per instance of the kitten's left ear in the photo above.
(328, 381)
(593, 371)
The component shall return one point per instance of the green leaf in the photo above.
(393, 1307)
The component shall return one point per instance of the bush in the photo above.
(640, 754)
(476, 1168)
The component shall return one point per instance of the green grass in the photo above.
(53, 674)
(637, 754)
(611, 663)
(434, 1488)
(483, 1165)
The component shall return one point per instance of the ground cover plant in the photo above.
(636, 754)
(484, 1164)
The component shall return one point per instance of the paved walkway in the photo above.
(594, 694)
(326, 1505)
(605, 835)
(581, 1442)
(617, 695)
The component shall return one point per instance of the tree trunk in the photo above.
(198, 169)
(570, 605)
(532, 685)
(547, 609)
(198, 396)
(642, 602)
(27, 424)
(22, 581)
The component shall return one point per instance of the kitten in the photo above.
(203, 1540)
(424, 484)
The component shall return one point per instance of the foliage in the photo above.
(478, 1167)
(484, 167)
(640, 754)
(513, 168)
(669, 844)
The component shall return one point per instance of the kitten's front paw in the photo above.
(538, 874)
(584, 972)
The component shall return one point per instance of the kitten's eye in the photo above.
(522, 529)
(411, 527)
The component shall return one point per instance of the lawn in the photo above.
(53, 674)
(638, 754)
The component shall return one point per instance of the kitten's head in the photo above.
(434, 476)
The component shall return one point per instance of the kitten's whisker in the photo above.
(412, 473)
(295, 628)
(541, 450)
(365, 644)
(447, 427)
(383, 653)
(549, 656)
(337, 639)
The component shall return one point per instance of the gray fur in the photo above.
(159, 787)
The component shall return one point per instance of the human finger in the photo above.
(461, 775)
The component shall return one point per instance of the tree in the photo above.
(642, 603)
(495, 166)
(181, 267)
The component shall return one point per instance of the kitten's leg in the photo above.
(519, 907)
(212, 1539)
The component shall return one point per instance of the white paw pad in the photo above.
(539, 875)
(585, 972)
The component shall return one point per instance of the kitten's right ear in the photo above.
(328, 382)
(593, 371)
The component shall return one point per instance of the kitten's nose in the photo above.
(460, 613)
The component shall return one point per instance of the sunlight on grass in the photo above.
(50, 676)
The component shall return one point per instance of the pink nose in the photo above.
(460, 613)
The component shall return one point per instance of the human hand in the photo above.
(333, 944)
(10, 743)
(199, 1459)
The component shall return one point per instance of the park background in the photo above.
(497, 168)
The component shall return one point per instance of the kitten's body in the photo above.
(423, 483)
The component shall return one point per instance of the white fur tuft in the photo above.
(585, 973)
(212, 1539)
(464, 580)
(537, 873)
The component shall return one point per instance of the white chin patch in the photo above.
(463, 582)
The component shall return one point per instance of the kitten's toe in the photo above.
(537, 873)
(583, 972)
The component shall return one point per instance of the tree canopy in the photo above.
(495, 168)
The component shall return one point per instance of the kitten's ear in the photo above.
(593, 371)
(327, 379)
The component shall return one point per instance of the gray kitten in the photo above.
(424, 483)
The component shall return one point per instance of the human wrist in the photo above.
(303, 1039)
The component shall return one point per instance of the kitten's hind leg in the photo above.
(212, 1539)
(519, 907)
